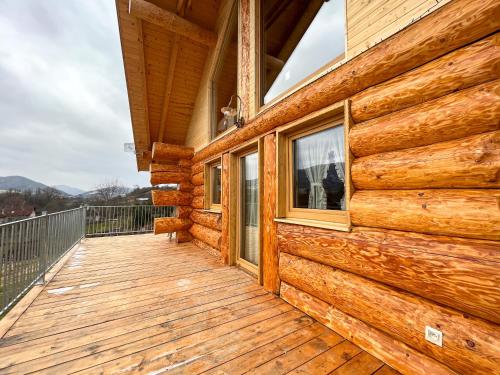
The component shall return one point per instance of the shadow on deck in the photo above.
(142, 304)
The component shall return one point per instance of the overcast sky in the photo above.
(64, 112)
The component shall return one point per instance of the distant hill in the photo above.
(70, 190)
(20, 183)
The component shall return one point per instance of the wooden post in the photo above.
(270, 255)
(225, 235)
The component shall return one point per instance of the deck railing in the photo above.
(30, 247)
(120, 220)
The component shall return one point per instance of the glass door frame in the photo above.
(235, 207)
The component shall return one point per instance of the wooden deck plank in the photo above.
(143, 304)
(362, 364)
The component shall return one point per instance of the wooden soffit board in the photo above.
(163, 69)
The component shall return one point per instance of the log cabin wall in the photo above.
(424, 245)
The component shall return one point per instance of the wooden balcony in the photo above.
(143, 304)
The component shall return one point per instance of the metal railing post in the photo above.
(44, 250)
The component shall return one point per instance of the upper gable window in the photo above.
(224, 81)
(299, 37)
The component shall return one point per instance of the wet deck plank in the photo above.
(142, 304)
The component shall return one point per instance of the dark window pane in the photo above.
(298, 38)
(319, 170)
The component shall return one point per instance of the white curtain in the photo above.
(315, 153)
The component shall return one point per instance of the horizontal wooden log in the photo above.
(209, 236)
(172, 177)
(170, 224)
(165, 151)
(461, 213)
(472, 162)
(466, 67)
(454, 25)
(393, 352)
(470, 344)
(460, 273)
(198, 167)
(185, 186)
(204, 246)
(171, 22)
(171, 167)
(184, 211)
(198, 179)
(183, 236)
(198, 202)
(472, 111)
(207, 219)
(199, 190)
(185, 163)
(171, 198)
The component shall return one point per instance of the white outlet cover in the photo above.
(434, 336)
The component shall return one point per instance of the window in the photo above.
(224, 81)
(298, 38)
(312, 165)
(213, 185)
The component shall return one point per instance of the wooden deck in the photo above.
(141, 304)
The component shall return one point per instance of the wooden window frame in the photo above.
(208, 177)
(235, 207)
(258, 63)
(334, 115)
(217, 66)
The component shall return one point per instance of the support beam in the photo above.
(168, 87)
(172, 22)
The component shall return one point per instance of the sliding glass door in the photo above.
(248, 204)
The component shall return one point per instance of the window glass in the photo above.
(224, 84)
(299, 37)
(249, 249)
(319, 170)
(216, 184)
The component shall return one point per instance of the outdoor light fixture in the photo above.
(233, 115)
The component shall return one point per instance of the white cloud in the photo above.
(63, 103)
